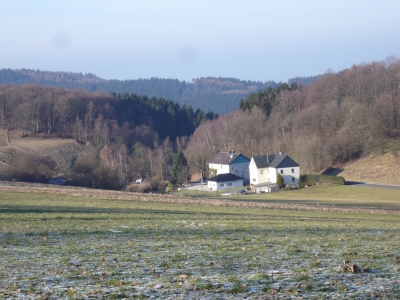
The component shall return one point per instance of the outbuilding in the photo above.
(266, 187)
(224, 181)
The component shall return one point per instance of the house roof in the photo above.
(224, 158)
(263, 161)
(275, 161)
(225, 177)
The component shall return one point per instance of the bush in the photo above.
(155, 182)
(312, 179)
(279, 181)
(145, 187)
(34, 169)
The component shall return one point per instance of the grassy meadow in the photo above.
(56, 246)
(328, 195)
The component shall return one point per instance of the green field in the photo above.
(60, 246)
(337, 195)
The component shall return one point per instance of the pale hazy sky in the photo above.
(186, 39)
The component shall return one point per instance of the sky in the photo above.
(258, 40)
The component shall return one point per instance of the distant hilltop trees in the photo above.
(220, 95)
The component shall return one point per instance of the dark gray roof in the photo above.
(224, 158)
(283, 161)
(264, 160)
(274, 161)
(225, 177)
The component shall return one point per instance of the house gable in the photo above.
(240, 159)
(283, 161)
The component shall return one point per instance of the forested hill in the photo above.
(339, 117)
(220, 95)
(99, 118)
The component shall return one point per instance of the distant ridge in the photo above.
(303, 80)
(220, 95)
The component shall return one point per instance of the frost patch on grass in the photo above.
(168, 251)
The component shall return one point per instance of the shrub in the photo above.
(155, 182)
(312, 179)
(34, 168)
(279, 181)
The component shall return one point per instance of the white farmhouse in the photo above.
(225, 181)
(230, 162)
(264, 171)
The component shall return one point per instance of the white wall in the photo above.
(221, 169)
(216, 186)
(272, 174)
(290, 176)
(255, 174)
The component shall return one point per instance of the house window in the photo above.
(254, 179)
(292, 179)
(261, 172)
(221, 184)
(229, 183)
(281, 171)
(221, 166)
(292, 170)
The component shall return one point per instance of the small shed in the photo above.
(267, 187)
(224, 181)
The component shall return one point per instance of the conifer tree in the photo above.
(180, 170)
(279, 181)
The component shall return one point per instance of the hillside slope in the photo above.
(62, 151)
(380, 166)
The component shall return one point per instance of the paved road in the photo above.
(197, 186)
(373, 185)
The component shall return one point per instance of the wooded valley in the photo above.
(339, 117)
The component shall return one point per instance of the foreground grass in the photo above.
(76, 247)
